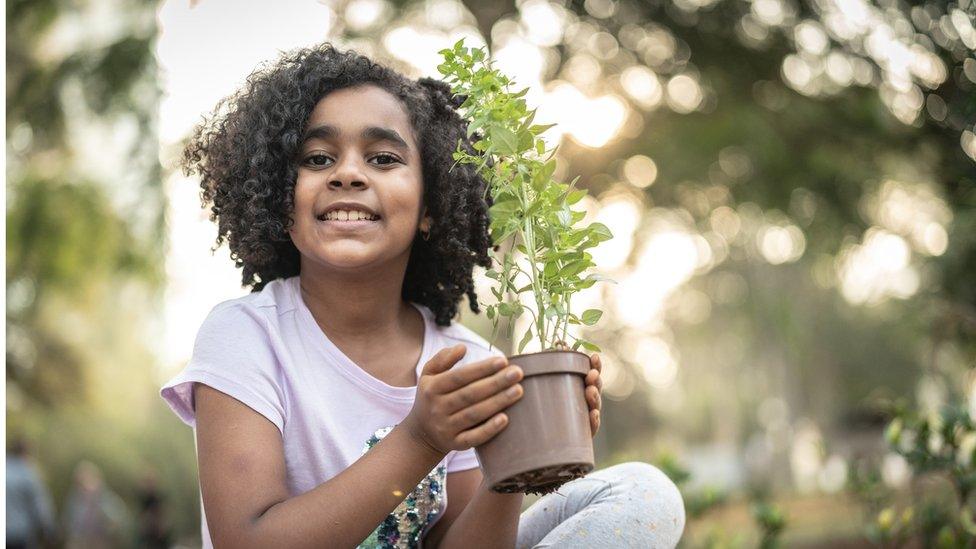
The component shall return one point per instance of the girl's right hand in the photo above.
(456, 409)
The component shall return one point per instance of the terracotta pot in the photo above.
(547, 441)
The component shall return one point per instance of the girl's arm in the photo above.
(475, 516)
(243, 474)
(245, 495)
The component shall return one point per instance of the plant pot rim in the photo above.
(545, 351)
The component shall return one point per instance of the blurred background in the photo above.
(791, 333)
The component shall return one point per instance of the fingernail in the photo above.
(512, 391)
(513, 374)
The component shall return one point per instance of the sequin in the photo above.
(403, 527)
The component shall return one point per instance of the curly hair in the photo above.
(246, 153)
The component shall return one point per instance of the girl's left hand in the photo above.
(594, 384)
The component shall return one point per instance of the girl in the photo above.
(337, 404)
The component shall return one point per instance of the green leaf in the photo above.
(589, 346)
(499, 235)
(505, 140)
(524, 126)
(503, 209)
(600, 231)
(564, 215)
(543, 175)
(591, 316)
(525, 140)
(575, 196)
(525, 339)
(574, 267)
(539, 128)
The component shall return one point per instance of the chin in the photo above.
(348, 261)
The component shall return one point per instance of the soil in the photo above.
(543, 481)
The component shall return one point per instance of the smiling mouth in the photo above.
(333, 221)
(344, 216)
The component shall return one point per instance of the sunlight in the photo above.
(877, 269)
(592, 122)
(543, 21)
(640, 171)
(643, 86)
(621, 213)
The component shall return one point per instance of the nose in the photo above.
(348, 172)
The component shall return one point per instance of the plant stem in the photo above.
(529, 238)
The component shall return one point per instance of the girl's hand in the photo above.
(456, 409)
(594, 384)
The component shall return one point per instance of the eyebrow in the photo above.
(371, 133)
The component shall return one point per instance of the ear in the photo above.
(425, 221)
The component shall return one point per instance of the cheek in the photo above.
(408, 202)
(304, 195)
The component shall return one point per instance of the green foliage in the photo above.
(938, 508)
(67, 235)
(769, 519)
(531, 214)
(936, 445)
(771, 522)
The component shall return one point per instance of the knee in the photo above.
(657, 496)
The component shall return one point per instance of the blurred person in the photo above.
(95, 516)
(337, 404)
(30, 515)
(153, 529)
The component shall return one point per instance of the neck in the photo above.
(356, 306)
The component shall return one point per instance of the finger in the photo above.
(473, 415)
(444, 359)
(599, 383)
(592, 376)
(596, 362)
(457, 378)
(482, 433)
(483, 388)
(594, 421)
(593, 398)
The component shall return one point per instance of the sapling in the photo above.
(531, 213)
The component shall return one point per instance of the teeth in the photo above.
(348, 215)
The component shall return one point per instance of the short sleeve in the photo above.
(462, 461)
(232, 353)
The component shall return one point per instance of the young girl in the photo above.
(337, 404)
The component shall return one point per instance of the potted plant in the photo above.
(539, 253)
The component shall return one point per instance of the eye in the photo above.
(316, 159)
(319, 159)
(392, 159)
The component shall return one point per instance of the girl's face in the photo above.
(360, 187)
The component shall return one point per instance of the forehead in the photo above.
(351, 109)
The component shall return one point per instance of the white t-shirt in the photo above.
(266, 350)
